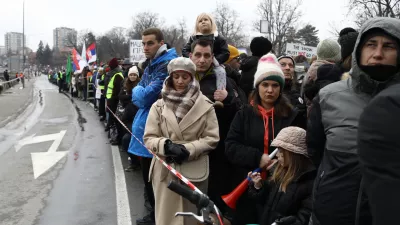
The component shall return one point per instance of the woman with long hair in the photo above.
(286, 195)
(129, 113)
(255, 126)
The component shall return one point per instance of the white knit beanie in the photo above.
(134, 70)
(329, 50)
(269, 69)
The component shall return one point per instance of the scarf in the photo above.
(180, 102)
(200, 76)
(266, 115)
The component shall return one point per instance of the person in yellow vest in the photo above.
(60, 79)
(113, 89)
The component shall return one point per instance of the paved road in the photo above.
(57, 167)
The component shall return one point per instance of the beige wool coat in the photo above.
(199, 133)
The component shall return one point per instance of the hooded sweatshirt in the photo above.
(338, 196)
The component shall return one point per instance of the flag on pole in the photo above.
(69, 69)
(84, 52)
(91, 53)
(75, 59)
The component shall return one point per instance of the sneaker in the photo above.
(147, 220)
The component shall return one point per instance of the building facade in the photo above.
(64, 38)
(14, 42)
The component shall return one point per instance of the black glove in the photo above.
(175, 152)
(286, 220)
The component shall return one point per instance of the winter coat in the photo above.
(146, 93)
(198, 132)
(379, 152)
(130, 109)
(338, 196)
(219, 165)
(113, 101)
(221, 51)
(248, 68)
(6, 76)
(244, 149)
(298, 103)
(296, 201)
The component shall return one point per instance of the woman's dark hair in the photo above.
(282, 108)
(346, 64)
(300, 59)
(129, 85)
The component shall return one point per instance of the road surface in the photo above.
(57, 166)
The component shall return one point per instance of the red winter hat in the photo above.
(113, 63)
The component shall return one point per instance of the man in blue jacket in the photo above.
(143, 96)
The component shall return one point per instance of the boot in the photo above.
(147, 220)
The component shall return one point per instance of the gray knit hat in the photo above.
(182, 64)
(329, 50)
(292, 139)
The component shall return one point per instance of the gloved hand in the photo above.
(175, 152)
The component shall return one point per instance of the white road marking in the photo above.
(123, 208)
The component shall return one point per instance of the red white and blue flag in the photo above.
(91, 53)
(75, 59)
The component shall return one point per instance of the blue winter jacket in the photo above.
(144, 95)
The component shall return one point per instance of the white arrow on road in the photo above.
(43, 161)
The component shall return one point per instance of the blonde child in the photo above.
(206, 29)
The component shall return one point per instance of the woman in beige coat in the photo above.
(182, 129)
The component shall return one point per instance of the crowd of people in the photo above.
(214, 114)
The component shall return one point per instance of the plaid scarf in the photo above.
(180, 102)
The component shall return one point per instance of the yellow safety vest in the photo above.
(102, 86)
(60, 76)
(111, 85)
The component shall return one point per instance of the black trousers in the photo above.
(60, 85)
(102, 106)
(112, 105)
(145, 163)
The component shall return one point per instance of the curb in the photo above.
(19, 111)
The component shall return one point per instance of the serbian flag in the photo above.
(75, 59)
(91, 53)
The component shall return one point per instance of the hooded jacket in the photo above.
(146, 93)
(338, 196)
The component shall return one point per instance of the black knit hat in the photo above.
(347, 40)
(329, 72)
(260, 46)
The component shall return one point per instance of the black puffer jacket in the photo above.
(221, 51)
(379, 151)
(248, 68)
(295, 202)
(244, 149)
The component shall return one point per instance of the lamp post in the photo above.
(23, 33)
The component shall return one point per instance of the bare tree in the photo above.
(143, 21)
(175, 35)
(333, 29)
(367, 9)
(119, 46)
(280, 16)
(229, 26)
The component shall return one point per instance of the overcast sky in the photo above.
(42, 16)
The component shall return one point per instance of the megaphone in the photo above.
(231, 198)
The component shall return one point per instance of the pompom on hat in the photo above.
(269, 69)
(292, 139)
(182, 64)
